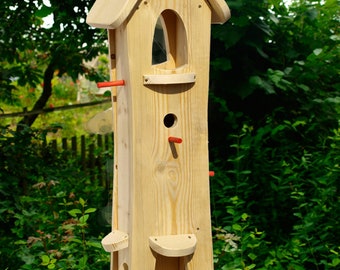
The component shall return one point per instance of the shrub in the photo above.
(276, 205)
(49, 207)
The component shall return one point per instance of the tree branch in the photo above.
(29, 119)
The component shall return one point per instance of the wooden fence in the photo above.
(93, 152)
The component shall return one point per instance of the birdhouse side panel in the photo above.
(124, 144)
(166, 185)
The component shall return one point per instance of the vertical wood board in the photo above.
(161, 192)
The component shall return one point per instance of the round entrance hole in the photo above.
(170, 120)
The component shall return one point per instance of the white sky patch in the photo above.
(49, 20)
(288, 2)
(47, 3)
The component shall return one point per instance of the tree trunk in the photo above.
(41, 102)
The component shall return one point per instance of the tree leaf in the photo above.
(74, 212)
(237, 227)
(51, 266)
(45, 260)
(82, 202)
(83, 219)
(90, 210)
(317, 51)
(44, 11)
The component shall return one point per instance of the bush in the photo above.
(49, 207)
(275, 201)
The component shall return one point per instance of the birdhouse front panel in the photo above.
(161, 51)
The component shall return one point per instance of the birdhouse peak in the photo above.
(110, 14)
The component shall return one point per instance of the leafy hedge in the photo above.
(277, 205)
(274, 147)
(275, 98)
(275, 201)
(50, 209)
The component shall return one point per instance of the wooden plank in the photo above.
(91, 159)
(64, 144)
(220, 11)
(83, 151)
(160, 188)
(99, 164)
(110, 14)
(114, 221)
(54, 145)
(169, 79)
(160, 193)
(106, 142)
(123, 150)
(74, 146)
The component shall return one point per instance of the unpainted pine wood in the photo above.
(160, 194)
(110, 13)
(169, 263)
(221, 11)
(123, 146)
(169, 78)
(114, 223)
(178, 245)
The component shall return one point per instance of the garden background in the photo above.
(274, 136)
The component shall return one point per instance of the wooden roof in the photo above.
(112, 13)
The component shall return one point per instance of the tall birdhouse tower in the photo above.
(159, 53)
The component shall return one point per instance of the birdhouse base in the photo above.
(173, 245)
(115, 241)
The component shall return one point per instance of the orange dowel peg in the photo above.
(211, 173)
(111, 84)
(175, 140)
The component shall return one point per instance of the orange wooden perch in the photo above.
(175, 140)
(111, 84)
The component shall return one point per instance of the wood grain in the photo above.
(161, 188)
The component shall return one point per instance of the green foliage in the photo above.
(275, 94)
(274, 140)
(71, 122)
(277, 208)
(32, 53)
(45, 218)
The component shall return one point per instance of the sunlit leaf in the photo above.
(44, 11)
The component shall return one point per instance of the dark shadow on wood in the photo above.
(173, 150)
(171, 263)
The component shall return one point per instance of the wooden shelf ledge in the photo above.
(173, 245)
(169, 78)
(115, 241)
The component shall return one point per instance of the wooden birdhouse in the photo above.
(159, 53)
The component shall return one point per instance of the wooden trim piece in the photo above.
(174, 245)
(110, 14)
(220, 11)
(114, 222)
(169, 79)
(115, 240)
